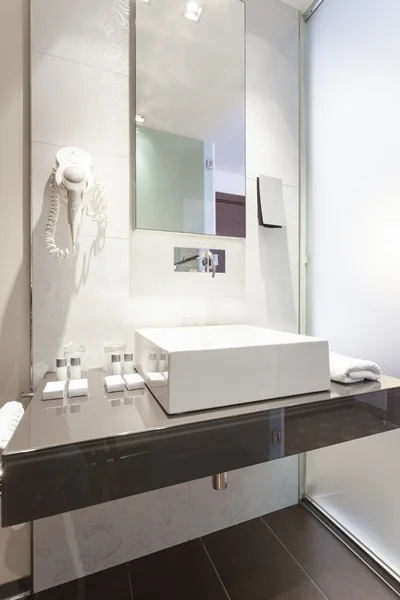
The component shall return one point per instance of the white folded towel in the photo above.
(352, 370)
(10, 416)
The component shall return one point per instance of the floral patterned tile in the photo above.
(251, 492)
(76, 544)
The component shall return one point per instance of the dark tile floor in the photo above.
(287, 555)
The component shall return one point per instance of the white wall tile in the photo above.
(156, 274)
(113, 171)
(251, 492)
(273, 107)
(86, 541)
(78, 105)
(272, 265)
(92, 32)
(15, 553)
(92, 286)
(93, 335)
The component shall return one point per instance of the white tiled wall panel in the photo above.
(97, 279)
(123, 279)
(85, 541)
(78, 105)
(250, 493)
(114, 174)
(273, 108)
(272, 256)
(90, 32)
(15, 553)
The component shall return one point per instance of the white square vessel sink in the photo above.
(198, 368)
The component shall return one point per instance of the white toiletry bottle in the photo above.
(152, 362)
(116, 363)
(61, 369)
(162, 363)
(75, 370)
(128, 363)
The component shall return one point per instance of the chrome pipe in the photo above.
(220, 481)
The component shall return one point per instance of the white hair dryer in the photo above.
(75, 182)
(71, 181)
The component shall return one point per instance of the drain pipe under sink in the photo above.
(220, 481)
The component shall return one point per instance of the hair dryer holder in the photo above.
(75, 192)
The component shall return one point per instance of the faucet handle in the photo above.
(214, 268)
(209, 262)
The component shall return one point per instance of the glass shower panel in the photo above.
(353, 295)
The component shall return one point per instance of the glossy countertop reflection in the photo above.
(100, 415)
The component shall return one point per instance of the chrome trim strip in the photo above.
(307, 14)
(362, 553)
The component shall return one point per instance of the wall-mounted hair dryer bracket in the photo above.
(72, 180)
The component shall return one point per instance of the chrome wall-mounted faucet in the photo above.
(207, 259)
(199, 260)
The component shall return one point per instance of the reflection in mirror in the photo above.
(190, 115)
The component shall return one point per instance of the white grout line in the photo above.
(82, 64)
(215, 569)
(124, 156)
(296, 561)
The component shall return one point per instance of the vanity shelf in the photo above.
(78, 452)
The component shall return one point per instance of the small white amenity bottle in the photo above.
(116, 363)
(61, 369)
(75, 370)
(128, 363)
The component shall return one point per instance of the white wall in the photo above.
(96, 296)
(354, 242)
(14, 201)
(14, 241)
(127, 281)
(229, 183)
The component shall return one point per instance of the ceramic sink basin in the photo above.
(199, 368)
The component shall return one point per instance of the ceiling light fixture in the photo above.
(193, 11)
(140, 118)
(146, 1)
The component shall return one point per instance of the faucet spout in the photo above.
(207, 258)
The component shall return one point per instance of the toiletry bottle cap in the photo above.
(75, 361)
(115, 358)
(128, 357)
(61, 362)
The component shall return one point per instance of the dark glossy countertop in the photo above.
(53, 423)
(78, 452)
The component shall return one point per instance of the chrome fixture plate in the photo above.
(197, 265)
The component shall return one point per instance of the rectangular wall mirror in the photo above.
(190, 116)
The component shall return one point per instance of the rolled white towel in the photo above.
(345, 369)
(10, 415)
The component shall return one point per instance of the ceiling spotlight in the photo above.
(146, 1)
(140, 118)
(193, 11)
